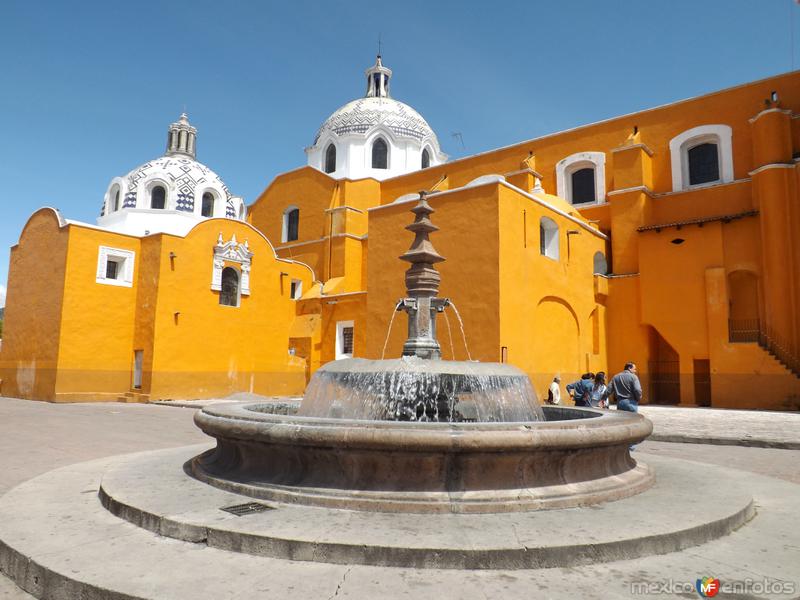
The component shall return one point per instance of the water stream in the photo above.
(389, 331)
(461, 324)
(450, 335)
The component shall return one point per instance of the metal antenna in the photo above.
(379, 44)
(457, 136)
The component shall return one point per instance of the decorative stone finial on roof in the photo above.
(181, 137)
(378, 80)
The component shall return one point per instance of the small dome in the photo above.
(170, 193)
(375, 136)
(360, 115)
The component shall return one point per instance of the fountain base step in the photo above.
(58, 542)
(152, 491)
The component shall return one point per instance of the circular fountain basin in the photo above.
(575, 457)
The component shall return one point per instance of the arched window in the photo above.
(291, 224)
(703, 162)
(582, 186)
(548, 238)
(208, 205)
(700, 156)
(115, 205)
(581, 177)
(426, 159)
(158, 197)
(229, 294)
(330, 159)
(600, 266)
(380, 154)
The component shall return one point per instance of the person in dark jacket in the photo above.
(581, 391)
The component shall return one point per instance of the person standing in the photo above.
(626, 388)
(554, 391)
(581, 391)
(599, 391)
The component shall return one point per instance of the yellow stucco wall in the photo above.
(97, 321)
(32, 321)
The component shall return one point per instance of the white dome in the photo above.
(189, 191)
(360, 115)
(375, 136)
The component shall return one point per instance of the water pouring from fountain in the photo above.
(420, 386)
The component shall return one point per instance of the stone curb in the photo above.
(721, 441)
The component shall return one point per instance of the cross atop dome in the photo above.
(181, 137)
(378, 80)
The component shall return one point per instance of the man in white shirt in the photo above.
(554, 392)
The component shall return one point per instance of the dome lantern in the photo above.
(378, 80)
(181, 137)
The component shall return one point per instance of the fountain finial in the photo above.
(422, 285)
(422, 279)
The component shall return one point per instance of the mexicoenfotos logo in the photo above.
(707, 587)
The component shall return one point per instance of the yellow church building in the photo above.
(665, 237)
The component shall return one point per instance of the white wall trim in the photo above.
(679, 147)
(770, 110)
(644, 147)
(581, 160)
(771, 166)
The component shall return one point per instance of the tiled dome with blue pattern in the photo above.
(185, 173)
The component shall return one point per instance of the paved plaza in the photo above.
(36, 438)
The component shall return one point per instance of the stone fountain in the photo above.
(419, 434)
(373, 441)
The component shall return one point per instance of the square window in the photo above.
(115, 266)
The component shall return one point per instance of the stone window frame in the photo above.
(124, 258)
(549, 243)
(679, 146)
(285, 225)
(575, 162)
(232, 252)
(340, 327)
(296, 289)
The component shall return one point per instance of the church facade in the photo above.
(664, 237)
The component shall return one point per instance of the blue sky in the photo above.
(88, 88)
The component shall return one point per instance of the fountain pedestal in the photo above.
(422, 340)
(422, 286)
